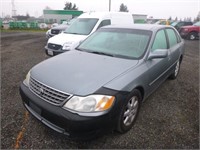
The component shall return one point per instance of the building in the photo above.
(57, 16)
(139, 18)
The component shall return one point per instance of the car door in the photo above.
(158, 67)
(174, 46)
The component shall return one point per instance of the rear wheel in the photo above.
(176, 71)
(129, 111)
(192, 36)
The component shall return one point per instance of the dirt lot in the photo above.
(168, 119)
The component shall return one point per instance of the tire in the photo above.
(129, 111)
(176, 71)
(192, 36)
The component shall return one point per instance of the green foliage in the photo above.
(24, 30)
(70, 6)
(123, 8)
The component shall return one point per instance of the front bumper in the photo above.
(52, 52)
(66, 122)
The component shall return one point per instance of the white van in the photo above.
(80, 29)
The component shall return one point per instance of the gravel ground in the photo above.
(168, 119)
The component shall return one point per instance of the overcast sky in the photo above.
(156, 8)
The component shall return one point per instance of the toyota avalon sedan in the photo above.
(102, 83)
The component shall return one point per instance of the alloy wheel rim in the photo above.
(192, 37)
(130, 111)
(177, 68)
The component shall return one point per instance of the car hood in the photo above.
(62, 38)
(80, 73)
(61, 27)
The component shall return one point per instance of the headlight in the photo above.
(92, 103)
(186, 29)
(26, 81)
(48, 31)
(67, 46)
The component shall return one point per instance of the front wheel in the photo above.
(129, 111)
(192, 36)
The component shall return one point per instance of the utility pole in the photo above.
(13, 8)
(109, 5)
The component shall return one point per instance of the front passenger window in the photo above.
(160, 41)
(172, 37)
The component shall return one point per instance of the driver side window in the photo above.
(160, 41)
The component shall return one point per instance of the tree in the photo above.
(197, 18)
(176, 19)
(170, 18)
(123, 8)
(70, 6)
(27, 15)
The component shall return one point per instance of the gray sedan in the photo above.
(102, 83)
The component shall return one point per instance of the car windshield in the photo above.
(71, 21)
(174, 23)
(197, 24)
(82, 26)
(124, 43)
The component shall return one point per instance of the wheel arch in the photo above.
(193, 31)
(141, 89)
(181, 58)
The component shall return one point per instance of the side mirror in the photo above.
(159, 53)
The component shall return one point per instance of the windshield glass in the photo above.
(197, 24)
(71, 21)
(82, 26)
(124, 43)
(174, 23)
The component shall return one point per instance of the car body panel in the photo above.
(60, 39)
(89, 74)
(83, 73)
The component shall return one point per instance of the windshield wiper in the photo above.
(72, 33)
(101, 53)
(94, 52)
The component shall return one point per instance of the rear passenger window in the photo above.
(104, 23)
(160, 41)
(172, 37)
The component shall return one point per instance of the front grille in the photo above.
(54, 46)
(55, 31)
(47, 93)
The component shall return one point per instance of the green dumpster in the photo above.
(33, 25)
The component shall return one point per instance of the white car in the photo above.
(82, 27)
(56, 29)
(43, 26)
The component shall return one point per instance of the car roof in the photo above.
(150, 27)
(100, 14)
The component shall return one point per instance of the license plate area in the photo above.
(35, 108)
(49, 52)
